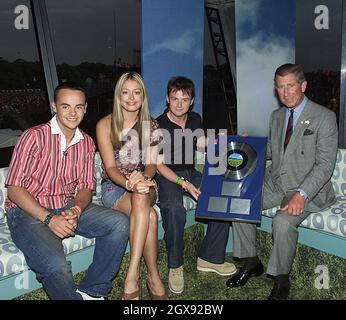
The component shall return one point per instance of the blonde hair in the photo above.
(117, 119)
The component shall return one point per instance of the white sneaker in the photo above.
(85, 296)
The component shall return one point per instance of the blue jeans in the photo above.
(174, 218)
(110, 193)
(44, 252)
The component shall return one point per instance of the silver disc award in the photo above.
(231, 187)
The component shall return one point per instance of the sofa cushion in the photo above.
(12, 259)
(3, 173)
(331, 220)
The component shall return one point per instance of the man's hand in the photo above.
(295, 206)
(190, 188)
(61, 226)
(72, 216)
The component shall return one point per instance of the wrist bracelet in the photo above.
(177, 181)
(48, 218)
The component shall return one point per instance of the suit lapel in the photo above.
(299, 129)
(282, 129)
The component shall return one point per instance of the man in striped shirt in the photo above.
(48, 163)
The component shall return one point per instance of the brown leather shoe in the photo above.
(154, 296)
(136, 295)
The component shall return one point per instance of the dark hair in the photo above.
(290, 68)
(68, 85)
(184, 84)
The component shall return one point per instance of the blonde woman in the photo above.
(127, 144)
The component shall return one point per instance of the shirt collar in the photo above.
(56, 130)
(298, 110)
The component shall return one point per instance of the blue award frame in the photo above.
(233, 179)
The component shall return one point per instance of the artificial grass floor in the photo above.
(210, 286)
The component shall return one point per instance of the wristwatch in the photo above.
(48, 218)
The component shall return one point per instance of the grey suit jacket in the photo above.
(310, 156)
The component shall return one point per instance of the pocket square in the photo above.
(308, 132)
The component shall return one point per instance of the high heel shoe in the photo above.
(154, 296)
(136, 295)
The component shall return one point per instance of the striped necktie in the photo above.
(289, 130)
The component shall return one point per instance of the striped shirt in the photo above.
(37, 166)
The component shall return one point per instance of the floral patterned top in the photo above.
(130, 157)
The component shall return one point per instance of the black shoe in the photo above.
(245, 274)
(280, 291)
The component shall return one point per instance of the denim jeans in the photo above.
(110, 193)
(44, 252)
(174, 218)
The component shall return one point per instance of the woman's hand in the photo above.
(134, 178)
(143, 187)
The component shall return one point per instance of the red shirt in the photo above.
(50, 177)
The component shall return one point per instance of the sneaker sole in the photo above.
(213, 270)
(175, 291)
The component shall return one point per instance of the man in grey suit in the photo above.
(302, 145)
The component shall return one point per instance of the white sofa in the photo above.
(325, 231)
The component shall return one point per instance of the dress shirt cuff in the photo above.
(303, 193)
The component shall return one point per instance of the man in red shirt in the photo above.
(49, 162)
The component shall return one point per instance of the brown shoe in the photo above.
(223, 269)
(136, 295)
(154, 296)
